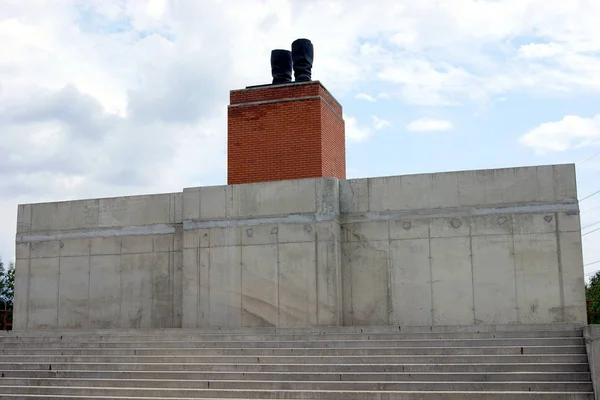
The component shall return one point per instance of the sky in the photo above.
(123, 97)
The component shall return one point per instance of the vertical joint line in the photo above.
(430, 273)
(560, 270)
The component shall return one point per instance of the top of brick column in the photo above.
(288, 91)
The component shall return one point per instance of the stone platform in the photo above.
(456, 248)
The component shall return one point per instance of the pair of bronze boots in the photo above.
(300, 59)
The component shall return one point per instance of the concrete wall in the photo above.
(264, 254)
(498, 246)
(591, 333)
(492, 247)
(99, 263)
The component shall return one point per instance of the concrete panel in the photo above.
(49, 248)
(452, 281)
(43, 293)
(545, 184)
(327, 198)
(203, 298)
(444, 190)
(23, 218)
(573, 281)
(136, 290)
(105, 291)
(225, 286)
(449, 227)
(162, 291)
(386, 194)
(565, 182)
(190, 288)
(259, 234)
(537, 273)
(137, 244)
(534, 223)
(368, 280)
(259, 285)
(22, 250)
(275, 198)
(297, 285)
(177, 205)
(568, 222)
(329, 295)
(294, 233)
(328, 231)
(178, 289)
(410, 282)
(164, 243)
(229, 236)
(494, 280)
(526, 186)
(497, 186)
(64, 215)
(74, 293)
(74, 247)
(213, 202)
(491, 225)
(106, 245)
(191, 203)
(366, 231)
(409, 228)
(354, 195)
(21, 301)
(135, 210)
(195, 238)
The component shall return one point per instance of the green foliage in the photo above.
(592, 292)
(7, 283)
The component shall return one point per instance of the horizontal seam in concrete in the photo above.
(456, 211)
(284, 219)
(318, 97)
(156, 229)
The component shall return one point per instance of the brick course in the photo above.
(284, 132)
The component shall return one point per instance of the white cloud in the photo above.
(356, 132)
(570, 132)
(365, 96)
(379, 123)
(428, 124)
(540, 50)
(123, 97)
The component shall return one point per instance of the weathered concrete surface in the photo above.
(591, 333)
(473, 247)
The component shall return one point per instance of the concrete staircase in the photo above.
(472, 362)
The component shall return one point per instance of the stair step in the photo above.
(297, 337)
(487, 342)
(361, 367)
(303, 359)
(277, 394)
(568, 386)
(308, 376)
(195, 351)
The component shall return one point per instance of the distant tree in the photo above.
(592, 292)
(7, 284)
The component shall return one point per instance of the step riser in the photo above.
(357, 396)
(354, 336)
(306, 344)
(323, 376)
(246, 394)
(301, 351)
(313, 385)
(584, 367)
(393, 359)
